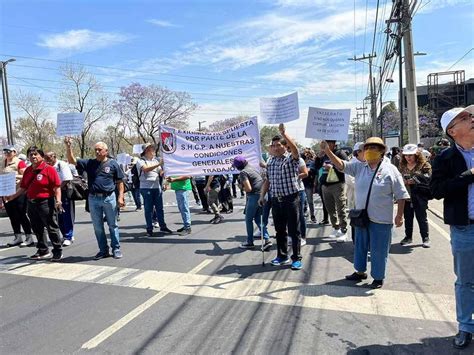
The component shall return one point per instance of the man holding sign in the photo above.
(282, 182)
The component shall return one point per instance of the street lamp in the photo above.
(199, 125)
(6, 102)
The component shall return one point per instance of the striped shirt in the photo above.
(282, 173)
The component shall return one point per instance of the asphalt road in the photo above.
(201, 294)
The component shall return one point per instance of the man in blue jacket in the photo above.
(453, 180)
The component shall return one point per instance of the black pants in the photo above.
(43, 215)
(195, 192)
(416, 208)
(16, 210)
(285, 212)
(202, 195)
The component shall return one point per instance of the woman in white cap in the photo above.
(416, 173)
(16, 208)
(387, 185)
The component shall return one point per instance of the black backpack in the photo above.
(135, 177)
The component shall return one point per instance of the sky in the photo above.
(225, 53)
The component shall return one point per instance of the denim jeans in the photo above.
(253, 212)
(378, 237)
(66, 219)
(302, 194)
(309, 198)
(100, 206)
(153, 198)
(285, 213)
(267, 207)
(136, 197)
(462, 246)
(182, 198)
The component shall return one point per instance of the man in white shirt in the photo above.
(66, 217)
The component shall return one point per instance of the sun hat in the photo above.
(410, 149)
(375, 141)
(450, 115)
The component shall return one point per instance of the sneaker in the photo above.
(57, 255)
(335, 233)
(426, 243)
(149, 234)
(17, 240)
(247, 245)
(268, 244)
(166, 230)
(279, 261)
(406, 241)
(296, 265)
(198, 202)
(356, 276)
(303, 241)
(376, 284)
(229, 211)
(212, 221)
(117, 253)
(67, 242)
(101, 255)
(342, 238)
(155, 224)
(118, 218)
(40, 256)
(323, 222)
(218, 220)
(313, 219)
(138, 209)
(184, 231)
(29, 242)
(290, 242)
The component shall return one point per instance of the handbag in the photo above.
(332, 176)
(77, 189)
(360, 218)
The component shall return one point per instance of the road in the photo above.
(201, 294)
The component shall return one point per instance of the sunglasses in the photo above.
(7, 151)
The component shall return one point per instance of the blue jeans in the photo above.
(379, 238)
(98, 207)
(253, 212)
(66, 219)
(153, 198)
(267, 207)
(182, 198)
(462, 246)
(302, 218)
(136, 197)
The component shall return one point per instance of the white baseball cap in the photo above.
(450, 115)
(410, 149)
(358, 146)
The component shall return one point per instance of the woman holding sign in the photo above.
(16, 208)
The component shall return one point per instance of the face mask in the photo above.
(371, 155)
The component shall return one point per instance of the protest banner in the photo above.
(7, 184)
(121, 158)
(69, 124)
(328, 124)
(137, 148)
(199, 153)
(279, 109)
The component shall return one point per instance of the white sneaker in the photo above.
(17, 240)
(303, 241)
(289, 241)
(342, 238)
(335, 233)
(156, 224)
(29, 242)
(67, 242)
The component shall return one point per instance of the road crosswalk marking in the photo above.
(358, 299)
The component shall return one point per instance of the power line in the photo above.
(469, 51)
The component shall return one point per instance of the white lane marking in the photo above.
(439, 229)
(389, 303)
(106, 333)
(8, 248)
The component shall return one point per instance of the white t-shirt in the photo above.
(64, 171)
(150, 179)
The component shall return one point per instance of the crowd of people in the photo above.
(367, 181)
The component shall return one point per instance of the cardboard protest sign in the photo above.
(279, 109)
(7, 184)
(69, 124)
(328, 124)
(199, 153)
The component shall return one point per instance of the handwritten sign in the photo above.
(279, 109)
(69, 124)
(328, 124)
(7, 184)
(137, 149)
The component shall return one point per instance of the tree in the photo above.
(266, 135)
(81, 92)
(144, 108)
(226, 123)
(34, 127)
(114, 137)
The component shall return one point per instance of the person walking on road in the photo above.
(416, 172)
(43, 190)
(387, 185)
(453, 181)
(282, 182)
(181, 186)
(103, 174)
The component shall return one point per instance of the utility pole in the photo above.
(373, 98)
(410, 77)
(6, 101)
(363, 114)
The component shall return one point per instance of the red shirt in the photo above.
(40, 182)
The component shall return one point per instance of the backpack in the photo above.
(135, 177)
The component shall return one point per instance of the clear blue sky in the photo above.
(226, 53)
